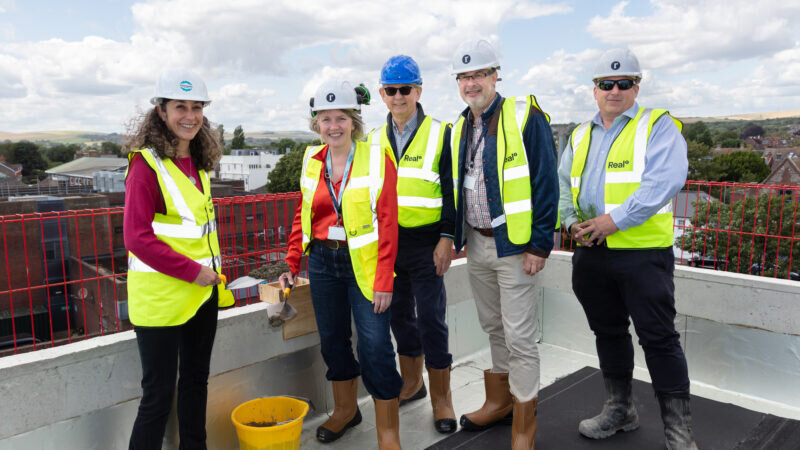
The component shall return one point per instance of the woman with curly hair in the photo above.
(174, 259)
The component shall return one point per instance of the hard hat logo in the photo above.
(330, 97)
(615, 65)
(186, 86)
(180, 84)
(466, 59)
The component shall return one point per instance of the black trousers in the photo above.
(165, 352)
(615, 285)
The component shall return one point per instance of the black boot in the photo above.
(618, 413)
(677, 419)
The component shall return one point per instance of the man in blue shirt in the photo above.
(618, 175)
(506, 191)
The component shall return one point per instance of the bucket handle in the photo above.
(303, 399)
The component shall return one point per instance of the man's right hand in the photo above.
(287, 279)
(207, 277)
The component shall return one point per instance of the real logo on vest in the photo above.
(511, 157)
(411, 158)
(618, 165)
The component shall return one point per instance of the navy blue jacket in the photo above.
(540, 149)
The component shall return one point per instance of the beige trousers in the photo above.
(507, 309)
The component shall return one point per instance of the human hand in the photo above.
(533, 264)
(287, 279)
(207, 277)
(443, 255)
(598, 229)
(381, 301)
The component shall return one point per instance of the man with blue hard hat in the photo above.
(425, 216)
(618, 175)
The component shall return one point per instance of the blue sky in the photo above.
(92, 65)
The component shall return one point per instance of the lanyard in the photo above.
(337, 201)
(473, 149)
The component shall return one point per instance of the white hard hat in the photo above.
(180, 84)
(474, 55)
(617, 62)
(336, 94)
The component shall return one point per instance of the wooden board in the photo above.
(300, 298)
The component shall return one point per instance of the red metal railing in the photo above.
(64, 272)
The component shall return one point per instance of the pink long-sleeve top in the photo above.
(142, 201)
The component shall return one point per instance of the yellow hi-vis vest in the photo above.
(359, 207)
(419, 189)
(624, 169)
(189, 227)
(513, 174)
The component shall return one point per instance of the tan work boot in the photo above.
(413, 385)
(496, 409)
(442, 401)
(523, 428)
(345, 411)
(387, 422)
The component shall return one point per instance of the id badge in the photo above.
(336, 234)
(469, 182)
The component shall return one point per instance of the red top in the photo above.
(142, 201)
(324, 216)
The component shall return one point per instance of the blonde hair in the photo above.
(355, 116)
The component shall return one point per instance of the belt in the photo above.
(331, 244)
(488, 232)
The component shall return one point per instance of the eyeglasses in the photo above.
(477, 76)
(404, 90)
(623, 84)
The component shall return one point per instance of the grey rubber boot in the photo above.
(618, 413)
(677, 419)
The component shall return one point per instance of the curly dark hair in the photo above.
(148, 130)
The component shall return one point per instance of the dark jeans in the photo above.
(335, 293)
(419, 306)
(613, 285)
(166, 351)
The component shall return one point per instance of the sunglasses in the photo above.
(623, 85)
(404, 90)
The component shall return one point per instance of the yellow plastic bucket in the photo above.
(287, 412)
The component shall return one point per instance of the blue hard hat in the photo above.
(400, 69)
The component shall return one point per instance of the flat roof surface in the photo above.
(87, 166)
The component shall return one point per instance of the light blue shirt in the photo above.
(401, 137)
(665, 168)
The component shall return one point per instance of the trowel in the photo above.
(277, 313)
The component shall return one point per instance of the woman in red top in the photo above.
(335, 291)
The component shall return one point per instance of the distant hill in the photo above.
(750, 117)
(90, 138)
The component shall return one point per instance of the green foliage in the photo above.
(701, 163)
(699, 133)
(238, 138)
(727, 139)
(285, 177)
(752, 130)
(221, 132)
(742, 166)
(110, 148)
(744, 231)
(28, 154)
(62, 153)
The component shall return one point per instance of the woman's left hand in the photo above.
(381, 301)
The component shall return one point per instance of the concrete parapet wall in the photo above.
(740, 333)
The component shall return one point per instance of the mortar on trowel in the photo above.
(278, 313)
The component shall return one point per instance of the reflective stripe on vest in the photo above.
(359, 207)
(514, 173)
(189, 227)
(419, 190)
(624, 167)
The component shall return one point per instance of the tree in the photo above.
(284, 145)
(285, 177)
(738, 234)
(701, 163)
(110, 148)
(698, 132)
(727, 139)
(62, 153)
(28, 154)
(238, 138)
(221, 133)
(742, 167)
(752, 130)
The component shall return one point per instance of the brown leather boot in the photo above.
(345, 411)
(496, 409)
(413, 385)
(387, 422)
(442, 401)
(523, 429)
